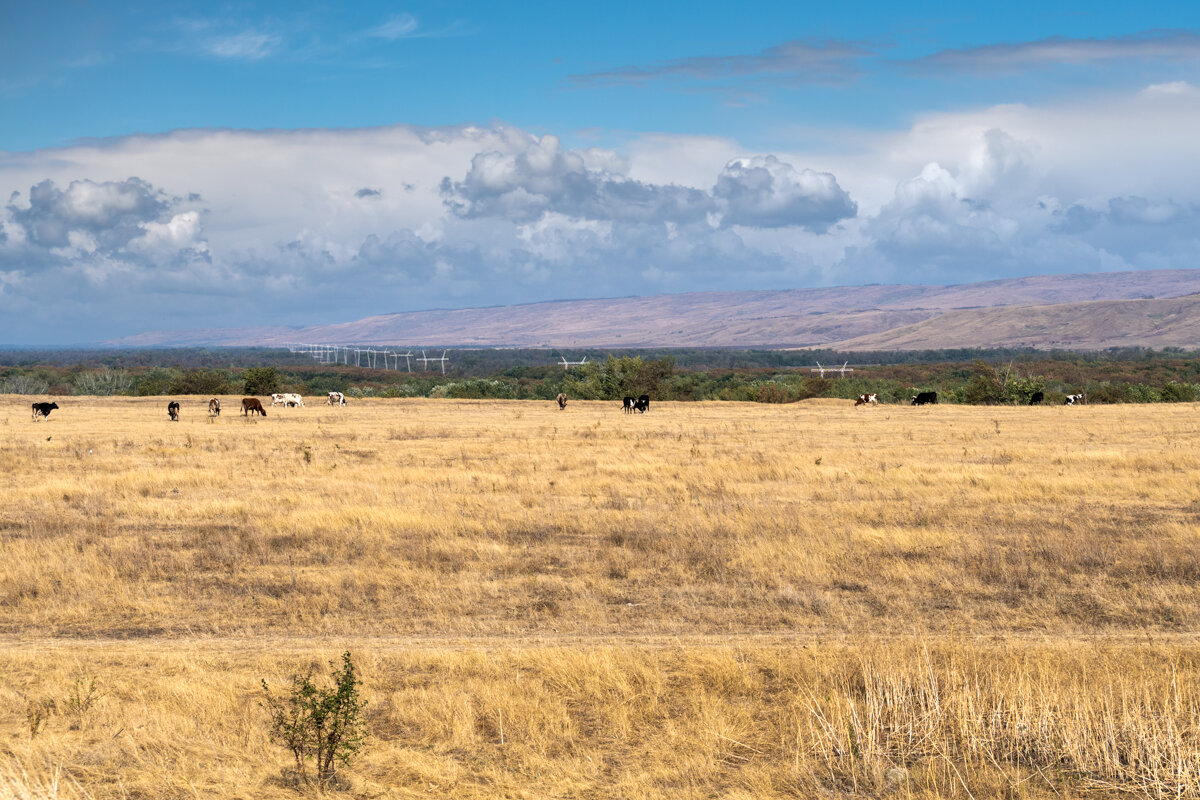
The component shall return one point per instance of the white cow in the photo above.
(336, 399)
(278, 399)
(293, 400)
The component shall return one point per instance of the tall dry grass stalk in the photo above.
(706, 600)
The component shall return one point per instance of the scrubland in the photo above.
(708, 600)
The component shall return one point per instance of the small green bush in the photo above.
(321, 725)
(260, 380)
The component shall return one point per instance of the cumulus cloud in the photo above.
(768, 193)
(113, 212)
(532, 176)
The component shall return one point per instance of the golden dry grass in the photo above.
(707, 600)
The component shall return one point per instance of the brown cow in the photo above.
(562, 401)
(251, 404)
(214, 407)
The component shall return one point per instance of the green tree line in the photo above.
(1103, 378)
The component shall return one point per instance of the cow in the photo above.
(43, 410)
(1074, 400)
(173, 410)
(293, 400)
(214, 407)
(628, 404)
(1036, 398)
(278, 399)
(863, 399)
(336, 399)
(562, 401)
(923, 398)
(643, 404)
(252, 404)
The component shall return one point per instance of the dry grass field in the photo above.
(708, 600)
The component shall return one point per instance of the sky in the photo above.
(169, 166)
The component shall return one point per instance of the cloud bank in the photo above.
(206, 228)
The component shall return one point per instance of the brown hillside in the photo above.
(1171, 322)
(889, 316)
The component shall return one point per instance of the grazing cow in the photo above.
(562, 401)
(293, 400)
(173, 410)
(43, 410)
(336, 399)
(1074, 400)
(214, 407)
(1036, 398)
(863, 399)
(628, 404)
(278, 399)
(252, 404)
(643, 404)
(923, 398)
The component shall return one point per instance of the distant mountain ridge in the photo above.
(1080, 311)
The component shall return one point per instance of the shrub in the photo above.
(201, 381)
(1179, 392)
(156, 382)
(260, 380)
(23, 384)
(319, 724)
(102, 383)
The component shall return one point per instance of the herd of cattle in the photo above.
(641, 404)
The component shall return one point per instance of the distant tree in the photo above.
(156, 382)
(102, 382)
(260, 380)
(23, 384)
(201, 381)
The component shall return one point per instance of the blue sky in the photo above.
(179, 165)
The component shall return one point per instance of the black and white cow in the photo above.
(628, 404)
(173, 410)
(1074, 400)
(643, 404)
(43, 410)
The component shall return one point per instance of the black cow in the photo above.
(43, 410)
(1036, 398)
(643, 404)
(628, 404)
(923, 398)
(251, 405)
(173, 410)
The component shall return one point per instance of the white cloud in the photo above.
(247, 45)
(400, 26)
(764, 192)
(328, 225)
